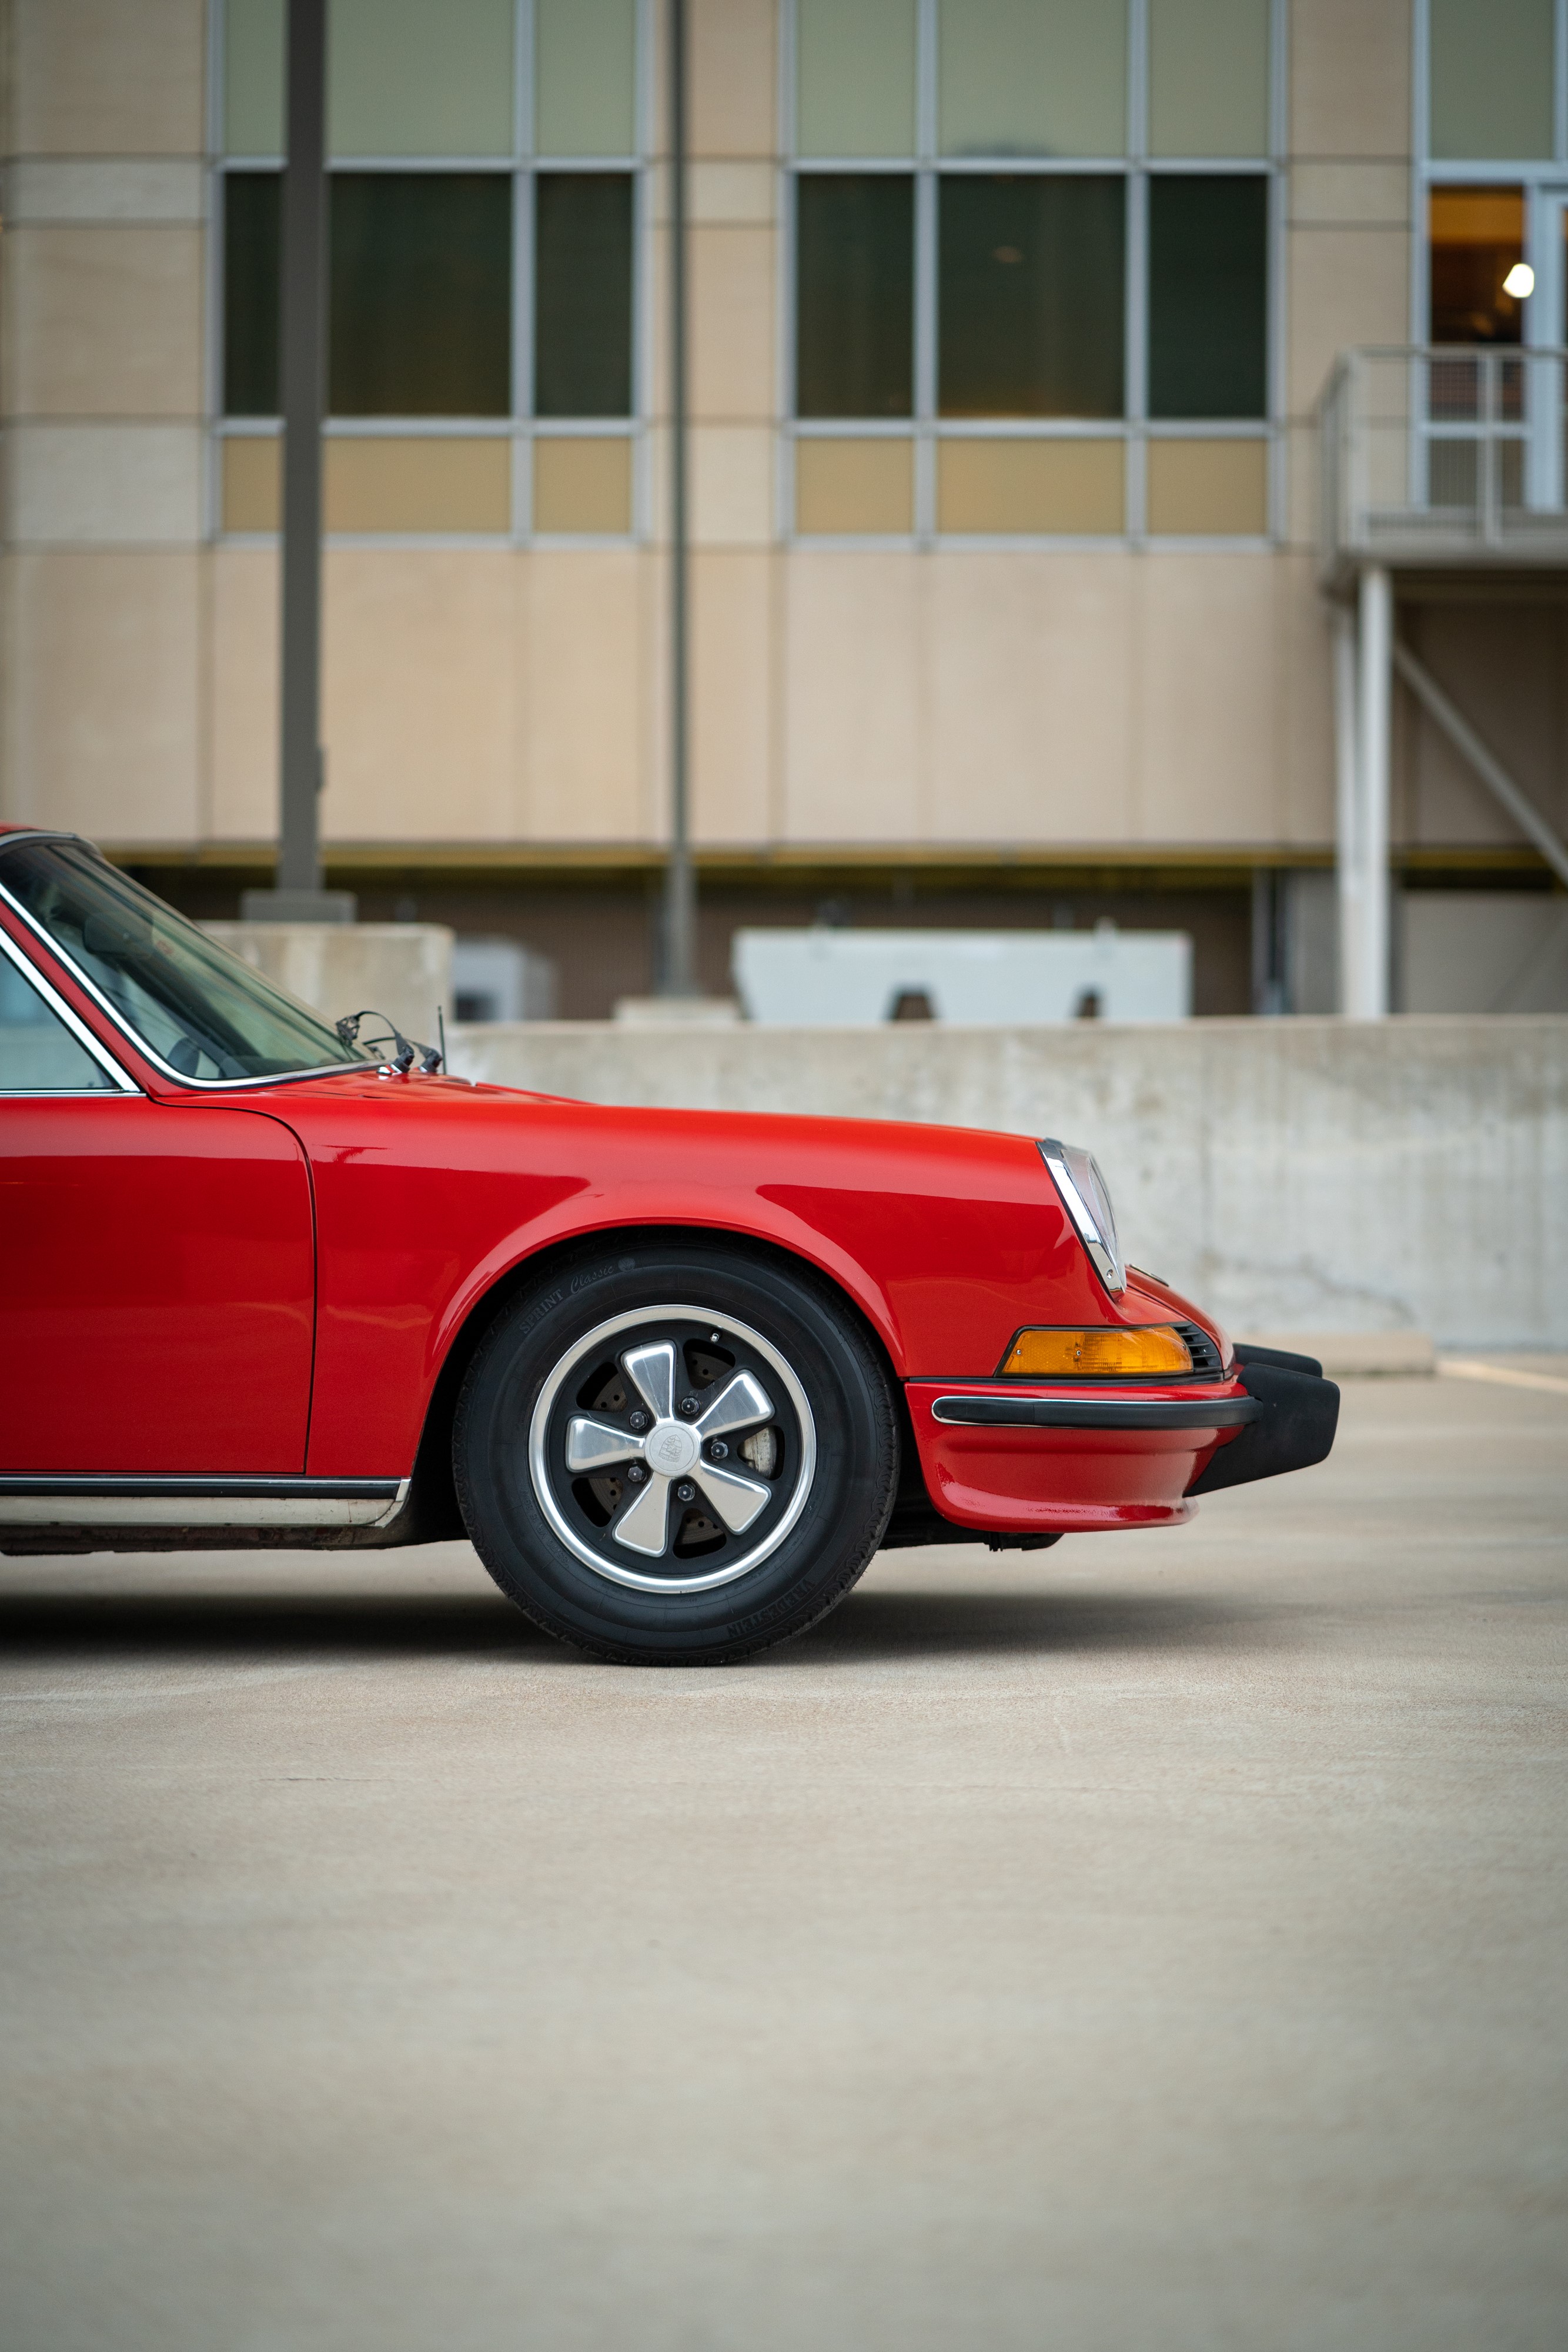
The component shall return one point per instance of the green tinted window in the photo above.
(585, 76)
(854, 294)
(1493, 77)
(251, 215)
(1032, 77)
(1209, 295)
(421, 302)
(1209, 77)
(1031, 294)
(582, 294)
(254, 40)
(855, 89)
(419, 77)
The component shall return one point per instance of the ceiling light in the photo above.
(1520, 281)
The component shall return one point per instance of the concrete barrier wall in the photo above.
(1293, 1175)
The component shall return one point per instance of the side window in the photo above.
(38, 1054)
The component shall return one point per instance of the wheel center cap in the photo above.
(672, 1450)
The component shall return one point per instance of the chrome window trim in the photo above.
(76, 1026)
(148, 1054)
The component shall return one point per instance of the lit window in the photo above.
(1477, 241)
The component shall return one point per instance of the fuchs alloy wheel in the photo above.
(676, 1455)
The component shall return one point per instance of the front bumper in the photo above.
(1006, 1458)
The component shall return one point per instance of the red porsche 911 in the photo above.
(678, 1375)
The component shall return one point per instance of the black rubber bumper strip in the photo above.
(1293, 1428)
(1082, 1412)
(1282, 1358)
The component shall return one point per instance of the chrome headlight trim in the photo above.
(1087, 1200)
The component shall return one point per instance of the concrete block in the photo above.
(401, 969)
(1357, 1355)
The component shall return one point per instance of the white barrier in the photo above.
(1292, 1175)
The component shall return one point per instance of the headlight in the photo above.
(1076, 1175)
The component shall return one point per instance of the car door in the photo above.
(157, 1310)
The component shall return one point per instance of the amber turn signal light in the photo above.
(1100, 1355)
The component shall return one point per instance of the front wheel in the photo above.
(676, 1455)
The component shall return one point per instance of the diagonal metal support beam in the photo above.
(1486, 763)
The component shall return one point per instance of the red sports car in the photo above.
(678, 1374)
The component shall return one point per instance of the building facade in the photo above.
(1013, 597)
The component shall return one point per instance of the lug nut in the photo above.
(685, 1492)
(636, 1474)
(717, 1451)
(639, 1421)
(688, 1405)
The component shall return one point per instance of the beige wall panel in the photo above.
(417, 482)
(1208, 747)
(734, 51)
(1303, 716)
(244, 698)
(107, 78)
(1345, 286)
(732, 322)
(1035, 682)
(581, 649)
(583, 483)
(731, 650)
(1349, 195)
(250, 477)
(1209, 488)
(1349, 76)
(103, 485)
(103, 323)
(736, 195)
(855, 684)
(1303, 478)
(865, 484)
(732, 485)
(418, 693)
(1027, 487)
(104, 693)
(52, 189)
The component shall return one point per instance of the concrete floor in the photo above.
(1156, 1943)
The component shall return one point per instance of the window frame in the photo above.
(926, 429)
(1542, 179)
(520, 428)
(120, 1083)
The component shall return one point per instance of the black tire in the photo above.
(825, 1455)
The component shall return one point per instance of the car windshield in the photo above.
(199, 1008)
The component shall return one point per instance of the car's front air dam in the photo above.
(1293, 1429)
(1028, 1458)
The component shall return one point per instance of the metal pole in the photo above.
(678, 973)
(1347, 807)
(304, 312)
(1376, 650)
